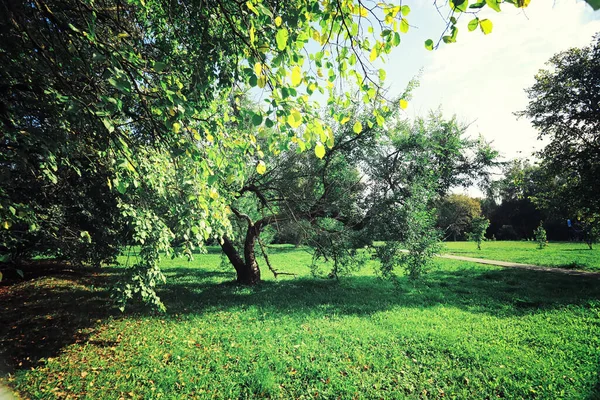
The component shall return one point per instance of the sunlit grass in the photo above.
(574, 255)
(464, 331)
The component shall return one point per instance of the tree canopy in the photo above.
(565, 107)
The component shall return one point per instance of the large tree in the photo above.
(564, 105)
(360, 190)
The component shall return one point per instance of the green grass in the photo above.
(556, 254)
(465, 331)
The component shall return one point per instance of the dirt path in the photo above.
(532, 267)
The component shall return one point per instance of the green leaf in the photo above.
(281, 38)
(459, 5)
(357, 128)
(429, 44)
(486, 26)
(159, 66)
(108, 125)
(320, 150)
(473, 24)
(253, 81)
(405, 10)
(261, 168)
(382, 74)
(20, 273)
(396, 39)
(493, 4)
(477, 5)
(257, 119)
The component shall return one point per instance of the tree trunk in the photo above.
(247, 270)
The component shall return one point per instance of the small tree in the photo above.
(591, 231)
(479, 226)
(421, 239)
(540, 236)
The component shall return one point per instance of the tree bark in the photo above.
(247, 270)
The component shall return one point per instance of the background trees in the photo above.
(455, 213)
(565, 107)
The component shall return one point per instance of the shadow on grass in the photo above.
(41, 317)
(43, 313)
(503, 292)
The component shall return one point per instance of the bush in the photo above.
(540, 236)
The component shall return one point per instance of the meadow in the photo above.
(464, 331)
(574, 255)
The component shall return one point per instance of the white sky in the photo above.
(482, 78)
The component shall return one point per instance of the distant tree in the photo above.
(479, 226)
(540, 236)
(510, 205)
(455, 213)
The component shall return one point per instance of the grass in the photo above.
(464, 331)
(557, 254)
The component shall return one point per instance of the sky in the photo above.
(482, 78)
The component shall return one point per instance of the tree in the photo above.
(518, 212)
(479, 226)
(148, 92)
(361, 189)
(455, 213)
(540, 236)
(564, 105)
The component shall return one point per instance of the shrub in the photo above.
(540, 236)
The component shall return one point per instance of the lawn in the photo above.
(464, 331)
(575, 255)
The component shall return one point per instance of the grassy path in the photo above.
(531, 267)
(566, 255)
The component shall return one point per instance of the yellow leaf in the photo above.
(320, 150)
(278, 21)
(296, 76)
(294, 119)
(6, 224)
(316, 35)
(261, 168)
(374, 54)
(262, 82)
(258, 69)
(344, 120)
(357, 128)
(213, 194)
(252, 37)
(403, 104)
(176, 127)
